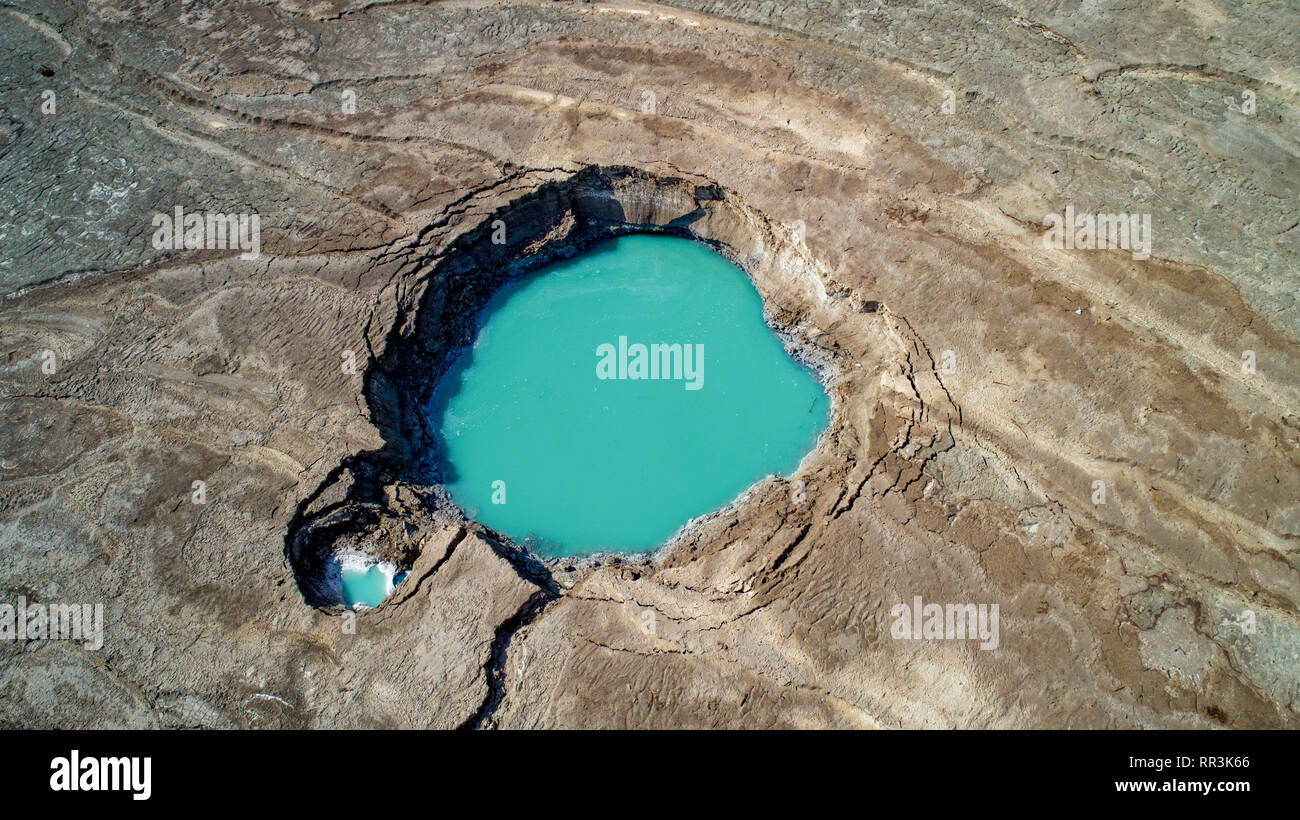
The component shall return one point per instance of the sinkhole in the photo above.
(576, 377)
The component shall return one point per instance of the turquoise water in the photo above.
(560, 431)
(368, 586)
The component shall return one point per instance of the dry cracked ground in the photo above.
(1103, 445)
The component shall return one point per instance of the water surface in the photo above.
(557, 429)
(368, 586)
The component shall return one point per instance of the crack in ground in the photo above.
(494, 668)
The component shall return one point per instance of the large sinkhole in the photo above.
(586, 370)
(610, 398)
